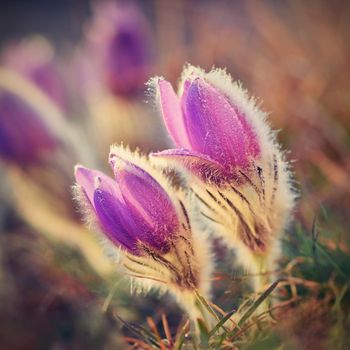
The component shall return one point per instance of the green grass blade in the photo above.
(203, 334)
(221, 322)
(255, 305)
(139, 331)
(180, 339)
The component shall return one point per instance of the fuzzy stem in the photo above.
(197, 307)
(261, 280)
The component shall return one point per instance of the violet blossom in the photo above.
(236, 169)
(25, 136)
(39, 146)
(120, 45)
(34, 59)
(147, 224)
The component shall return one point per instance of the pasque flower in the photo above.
(236, 169)
(119, 42)
(147, 224)
(25, 136)
(39, 146)
(33, 58)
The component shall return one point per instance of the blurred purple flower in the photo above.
(24, 136)
(33, 58)
(214, 137)
(133, 210)
(120, 42)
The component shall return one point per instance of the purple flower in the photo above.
(24, 136)
(241, 180)
(133, 210)
(33, 58)
(146, 219)
(120, 43)
(214, 137)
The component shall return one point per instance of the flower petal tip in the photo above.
(82, 174)
(78, 168)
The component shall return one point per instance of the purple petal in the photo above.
(214, 126)
(86, 178)
(113, 215)
(149, 205)
(172, 114)
(198, 164)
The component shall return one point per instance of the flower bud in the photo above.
(132, 209)
(214, 126)
(148, 223)
(25, 138)
(235, 167)
(33, 58)
(119, 43)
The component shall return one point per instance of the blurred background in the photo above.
(72, 82)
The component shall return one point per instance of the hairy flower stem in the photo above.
(198, 308)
